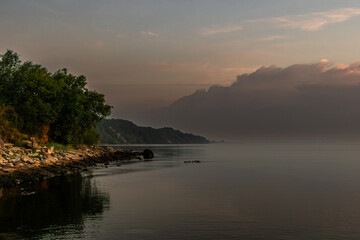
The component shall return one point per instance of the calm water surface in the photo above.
(239, 191)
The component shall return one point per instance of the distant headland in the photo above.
(118, 131)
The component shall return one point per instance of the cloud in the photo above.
(219, 30)
(324, 60)
(302, 101)
(272, 38)
(120, 35)
(95, 44)
(149, 34)
(315, 21)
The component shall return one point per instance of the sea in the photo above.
(249, 190)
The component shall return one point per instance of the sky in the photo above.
(146, 55)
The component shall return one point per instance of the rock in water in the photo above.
(147, 154)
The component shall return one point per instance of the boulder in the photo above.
(147, 154)
(27, 143)
(48, 151)
(34, 143)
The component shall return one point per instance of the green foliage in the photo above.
(20, 143)
(117, 131)
(58, 102)
(81, 109)
(91, 137)
(8, 124)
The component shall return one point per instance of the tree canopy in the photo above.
(55, 106)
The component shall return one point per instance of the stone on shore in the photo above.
(21, 165)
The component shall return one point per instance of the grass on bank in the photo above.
(58, 146)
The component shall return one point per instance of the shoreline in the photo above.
(21, 165)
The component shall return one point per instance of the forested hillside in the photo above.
(117, 131)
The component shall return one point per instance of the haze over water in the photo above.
(238, 191)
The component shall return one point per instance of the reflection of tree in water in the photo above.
(63, 201)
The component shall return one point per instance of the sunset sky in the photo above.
(144, 55)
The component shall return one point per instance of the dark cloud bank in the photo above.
(303, 101)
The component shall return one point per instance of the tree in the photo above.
(81, 109)
(8, 124)
(57, 105)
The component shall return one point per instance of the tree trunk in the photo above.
(2, 146)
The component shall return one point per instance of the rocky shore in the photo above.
(20, 165)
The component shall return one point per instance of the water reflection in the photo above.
(245, 191)
(62, 202)
(169, 152)
(166, 156)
